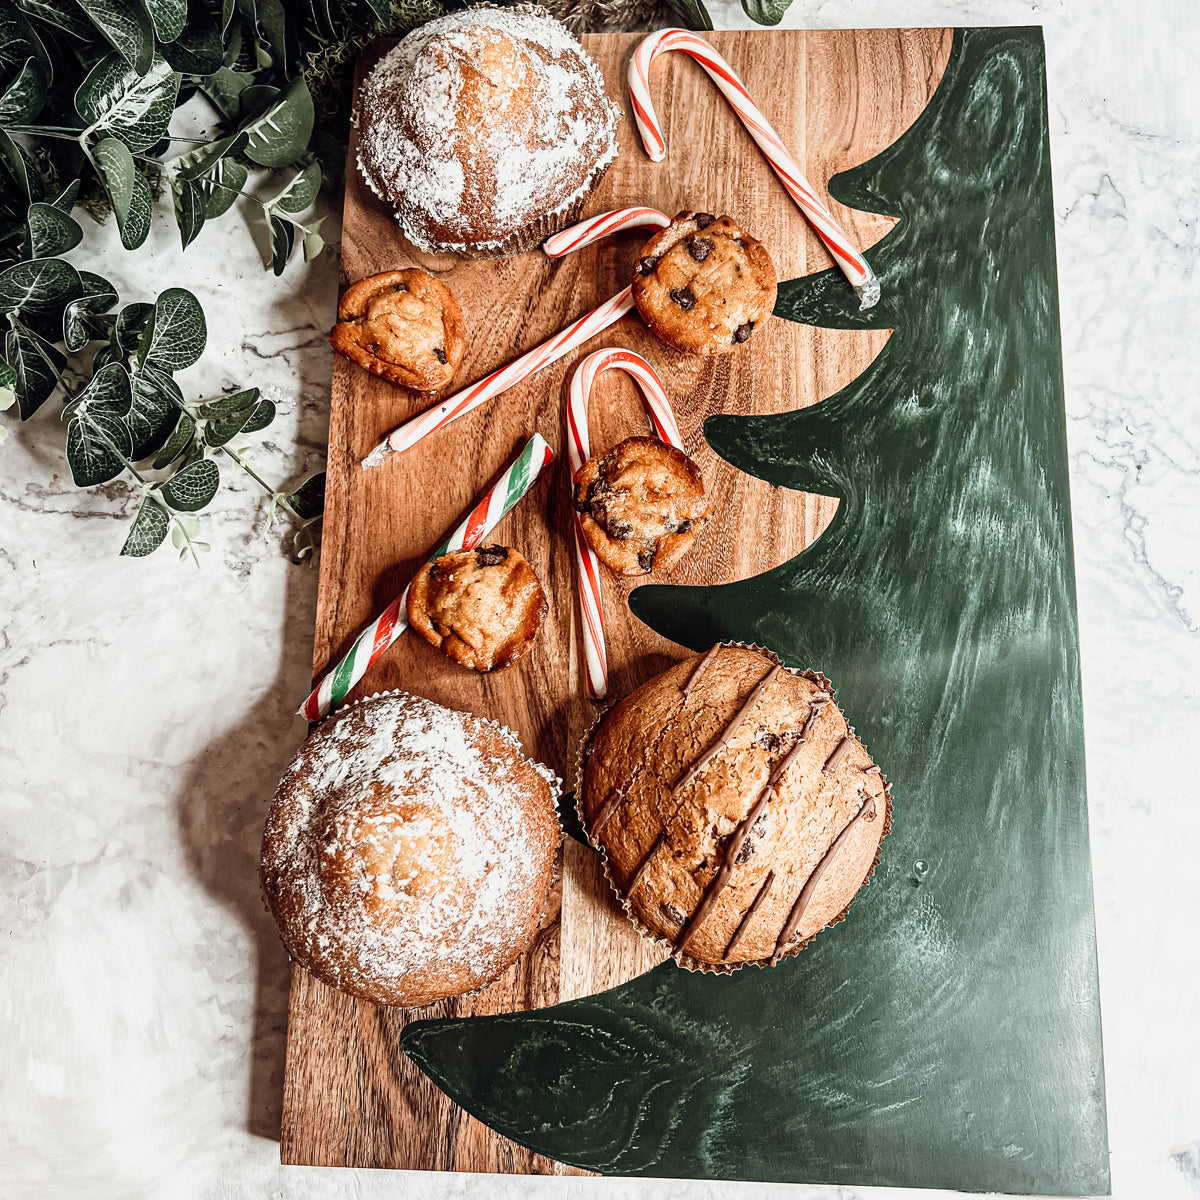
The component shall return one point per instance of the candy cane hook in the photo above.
(405, 436)
(658, 409)
(856, 268)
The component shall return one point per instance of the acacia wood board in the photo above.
(351, 1097)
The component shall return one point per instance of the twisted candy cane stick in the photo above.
(393, 621)
(658, 408)
(856, 268)
(563, 342)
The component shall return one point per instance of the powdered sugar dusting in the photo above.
(405, 851)
(482, 121)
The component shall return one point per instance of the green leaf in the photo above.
(225, 406)
(280, 134)
(97, 445)
(115, 99)
(765, 12)
(50, 231)
(20, 42)
(177, 443)
(221, 427)
(227, 7)
(693, 12)
(272, 31)
(79, 317)
(314, 243)
(25, 96)
(63, 16)
(283, 235)
(65, 201)
(189, 210)
(220, 187)
(141, 210)
(301, 190)
(39, 286)
(261, 417)
(308, 500)
(114, 163)
(192, 488)
(175, 336)
(148, 530)
(197, 162)
(109, 390)
(132, 322)
(168, 17)
(197, 51)
(157, 401)
(37, 365)
(126, 27)
(382, 10)
(224, 88)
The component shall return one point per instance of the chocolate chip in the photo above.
(704, 220)
(738, 242)
(580, 503)
(646, 560)
(673, 913)
(435, 627)
(767, 740)
(619, 531)
(440, 355)
(745, 854)
(647, 266)
(699, 248)
(684, 298)
(742, 333)
(684, 526)
(491, 556)
(399, 288)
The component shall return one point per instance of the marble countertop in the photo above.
(144, 705)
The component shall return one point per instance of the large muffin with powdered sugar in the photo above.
(409, 851)
(738, 812)
(486, 129)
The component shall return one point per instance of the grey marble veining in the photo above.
(145, 706)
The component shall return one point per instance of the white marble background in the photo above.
(144, 705)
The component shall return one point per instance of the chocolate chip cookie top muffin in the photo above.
(738, 811)
(640, 505)
(405, 326)
(482, 608)
(703, 284)
(486, 129)
(409, 851)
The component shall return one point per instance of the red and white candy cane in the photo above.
(658, 408)
(856, 268)
(563, 342)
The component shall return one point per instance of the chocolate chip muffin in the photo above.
(409, 851)
(405, 326)
(738, 812)
(640, 505)
(703, 285)
(482, 608)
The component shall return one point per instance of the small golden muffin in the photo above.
(405, 326)
(486, 130)
(738, 812)
(482, 608)
(703, 284)
(409, 851)
(640, 505)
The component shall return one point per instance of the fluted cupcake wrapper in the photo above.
(685, 960)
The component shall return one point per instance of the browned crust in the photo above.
(351, 337)
(651, 738)
(684, 331)
(336, 964)
(622, 556)
(512, 643)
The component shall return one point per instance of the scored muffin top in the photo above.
(481, 121)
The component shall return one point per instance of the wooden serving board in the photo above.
(351, 1097)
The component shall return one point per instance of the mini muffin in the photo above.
(486, 129)
(640, 505)
(738, 812)
(702, 284)
(482, 608)
(409, 851)
(405, 326)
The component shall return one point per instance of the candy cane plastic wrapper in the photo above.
(563, 342)
(487, 513)
(658, 408)
(856, 268)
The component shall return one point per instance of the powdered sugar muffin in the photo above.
(409, 851)
(486, 129)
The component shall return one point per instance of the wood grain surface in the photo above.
(837, 98)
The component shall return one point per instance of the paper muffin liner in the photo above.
(553, 781)
(683, 959)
